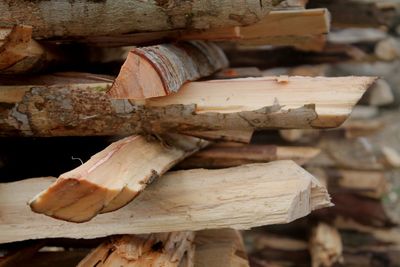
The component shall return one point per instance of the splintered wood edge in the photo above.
(75, 198)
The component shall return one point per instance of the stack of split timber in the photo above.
(358, 162)
(164, 170)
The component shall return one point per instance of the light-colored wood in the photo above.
(242, 136)
(218, 156)
(325, 246)
(223, 247)
(19, 53)
(112, 177)
(234, 104)
(232, 73)
(50, 19)
(161, 70)
(166, 250)
(192, 200)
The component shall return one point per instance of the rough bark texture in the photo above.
(112, 177)
(166, 250)
(82, 18)
(180, 201)
(236, 104)
(162, 69)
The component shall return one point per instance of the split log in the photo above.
(325, 246)
(368, 13)
(372, 184)
(223, 247)
(218, 156)
(112, 177)
(78, 109)
(84, 18)
(197, 199)
(167, 249)
(162, 69)
(232, 73)
(288, 27)
(19, 53)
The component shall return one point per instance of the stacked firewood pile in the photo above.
(172, 125)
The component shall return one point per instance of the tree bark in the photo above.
(180, 201)
(84, 18)
(162, 69)
(112, 177)
(77, 109)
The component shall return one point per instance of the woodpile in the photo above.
(199, 133)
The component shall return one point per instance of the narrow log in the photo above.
(180, 201)
(162, 69)
(112, 177)
(223, 247)
(78, 109)
(167, 249)
(325, 246)
(83, 18)
(218, 156)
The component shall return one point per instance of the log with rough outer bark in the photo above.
(164, 249)
(83, 108)
(222, 156)
(84, 18)
(325, 246)
(222, 247)
(161, 70)
(112, 177)
(281, 192)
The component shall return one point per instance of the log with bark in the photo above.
(112, 177)
(83, 108)
(86, 18)
(180, 201)
(164, 249)
(162, 69)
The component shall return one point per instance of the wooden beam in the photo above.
(112, 177)
(222, 247)
(180, 201)
(161, 70)
(122, 16)
(167, 249)
(220, 156)
(78, 109)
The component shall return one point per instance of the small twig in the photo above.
(73, 158)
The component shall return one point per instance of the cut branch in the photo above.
(180, 201)
(112, 177)
(162, 69)
(167, 250)
(68, 109)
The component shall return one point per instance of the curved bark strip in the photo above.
(80, 18)
(162, 69)
(112, 177)
(237, 104)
